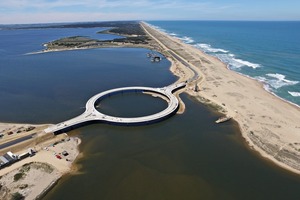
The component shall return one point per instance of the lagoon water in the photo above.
(184, 157)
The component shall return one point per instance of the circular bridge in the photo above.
(91, 114)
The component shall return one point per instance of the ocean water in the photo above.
(187, 156)
(266, 51)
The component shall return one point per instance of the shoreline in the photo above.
(270, 143)
(36, 167)
(226, 65)
(273, 138)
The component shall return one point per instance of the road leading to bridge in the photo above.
(91, 114)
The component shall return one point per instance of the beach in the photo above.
(269, 125)
(41, 170)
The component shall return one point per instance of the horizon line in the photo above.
(131, 20)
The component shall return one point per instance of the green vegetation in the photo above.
(19, 176)
(211, 105)
(216, 107)
(23, 186)
(132, 31)
(133, 40)
(17, 196)
(43, 166)
(125, 28)
(25, 168)
(69, 42)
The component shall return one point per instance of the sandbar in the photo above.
(269, 124)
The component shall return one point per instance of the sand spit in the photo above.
(268, 124)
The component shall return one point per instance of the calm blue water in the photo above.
(22, 41)
(52, 87)
(185, 157)
(266, 51)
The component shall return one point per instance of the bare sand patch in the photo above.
(275, 136)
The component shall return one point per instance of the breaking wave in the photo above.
(294, 94)
(279, 80)
(207, 48)
(235, 63)
(226, 57)
(271, 81)
(276, 80)
(186, 39)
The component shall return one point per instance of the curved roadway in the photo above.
(91, 114)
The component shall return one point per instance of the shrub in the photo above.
(18, 176)
(17, 196)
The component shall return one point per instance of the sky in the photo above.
(44, 11)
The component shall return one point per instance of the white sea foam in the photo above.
(157, 27)
(227, 57)
(269, 89)
(276, 81)
(279, 80)
(209, 49)
(186, 39)
(294, 94)
(236, 63)
(241, 63)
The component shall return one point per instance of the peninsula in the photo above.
(269, 125)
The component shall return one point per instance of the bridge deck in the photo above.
(91, 114)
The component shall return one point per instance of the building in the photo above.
(7, 159)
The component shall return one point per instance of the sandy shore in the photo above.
(270, 125)
(41, 170)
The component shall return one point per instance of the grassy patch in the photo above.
(18, 176)
(23, 186)
(17, 196)
(25, 168)
(43, 166)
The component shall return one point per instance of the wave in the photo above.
(268, 89)
(236, 63)
(186, 39)
(158, 28)
(226, 57)
(279, 81)
(209, 49)
(276, 81)
(271, 82)
(294, 94)
(246, 63)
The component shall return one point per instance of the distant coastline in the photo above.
(263, 126)
(256, 141)
(266, 129)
